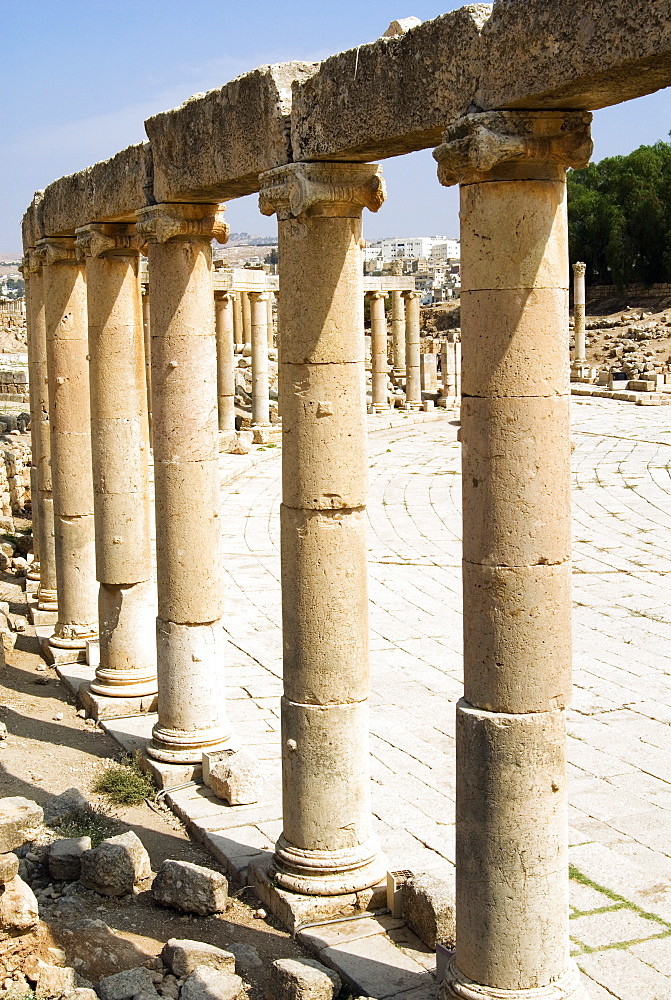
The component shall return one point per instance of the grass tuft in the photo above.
(125, 783)
(90, 823)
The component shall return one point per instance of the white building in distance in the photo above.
(435, 248)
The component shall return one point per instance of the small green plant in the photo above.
(125, 783)
(90, 823)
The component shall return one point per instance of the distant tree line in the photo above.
(619, 213)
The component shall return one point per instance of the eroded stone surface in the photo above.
(192, 888)
(302, 979)
(183, 956)
(113, 868)
(18, 816)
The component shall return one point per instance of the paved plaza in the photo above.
(619, 742)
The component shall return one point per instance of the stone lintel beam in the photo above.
(215, 145)
(112, 190)
(396, 95)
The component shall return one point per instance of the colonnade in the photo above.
(512, 880)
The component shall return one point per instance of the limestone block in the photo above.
(51, 980)
(111, 190)
(214, 146)
(533, 215)
(18, 818)
(393, 95)
(113, 868)
(188, 551)
(237, 779)
(324, 435)
(64, 807)
(123, 538)
(19, 912)
(182, 956)
(428, 909)
(9, 867)
(511, 847)
(302, 979)
(32, 230)
(517, 637)
(65, 858)
(185, 424)
(322, 254)
(516, 478)
(325, 751)
(128, 984)
(191, 888)
(323, 565)
(191, 674)
(515, 342)
(206, 983)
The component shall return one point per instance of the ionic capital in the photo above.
(321, 189)
(161, 223)
(258, 296)
(56, 250)
(106, 237)
(411, 294)
(377, 295)
(579, 269)
(31, 263)
(480, 143)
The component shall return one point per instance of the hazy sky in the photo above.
(78, 78)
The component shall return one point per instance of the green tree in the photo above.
(620, 217)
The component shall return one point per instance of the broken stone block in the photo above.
(302, 979)
(50, 980)
(19, 912)
(65, 858)
(113, 868)
(18, 818)
(128, 984)
(9, 867)
(64, 807)
(246, 956)
(237, 779)
(205, 983)
(183, 956)
(191, 888)
(428, 909)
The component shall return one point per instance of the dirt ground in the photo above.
(49, 748)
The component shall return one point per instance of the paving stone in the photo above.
(376, 967)
(613, 927)
(584, 898)
(625, 976)
(656, 953)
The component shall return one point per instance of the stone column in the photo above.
(120, 439)
(238, 335)
(271, 324)
(41, 497)
(579, 312)
(223, 319)
(511, 854)
(246, 321)
(190, 640)
(413, 388)
(260, 395)
(26, 270)
(378, 344)
(397, 326)
(146, 331)
(327, 846)
(69, 415)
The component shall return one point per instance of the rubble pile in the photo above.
(633, 344)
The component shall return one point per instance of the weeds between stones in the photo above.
(125, 783)
(90, 823)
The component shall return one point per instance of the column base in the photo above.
(33, 571)
(378, 408)
(456, 986)
(413, 406)
(72, 636)
(99, 707)
(47, 600)
(261, 433)
(329, 873)
(177, 746)
(124, 683)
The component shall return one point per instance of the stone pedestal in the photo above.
(413, 387)
(450, 365)
(378, 346)
(327, 846)
(41, 495)
(260, 387)
(511, 851)
(190, 637)
(69, 416)
(224, 303)
(120, 439)
(429, 372)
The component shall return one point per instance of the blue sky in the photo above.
(77, 80)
